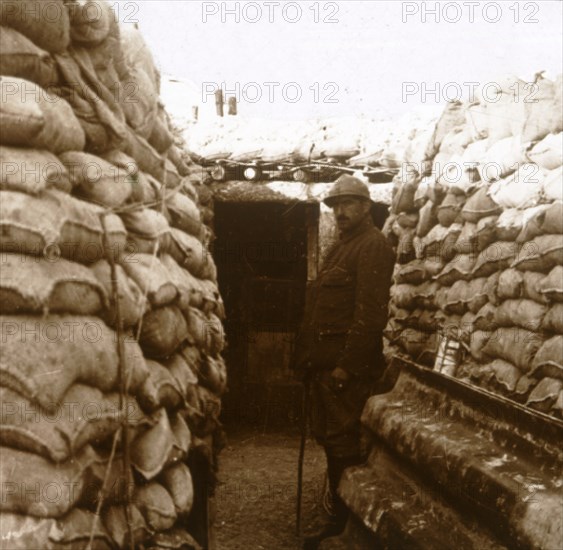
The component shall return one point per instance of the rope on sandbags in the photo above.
(123, 389)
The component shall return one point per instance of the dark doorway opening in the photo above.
(261, 251)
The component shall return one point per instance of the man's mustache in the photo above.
(342, 219)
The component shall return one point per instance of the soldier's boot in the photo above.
(338, 511)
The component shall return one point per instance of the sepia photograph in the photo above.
(281, 275)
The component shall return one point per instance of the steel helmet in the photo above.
(347, 186)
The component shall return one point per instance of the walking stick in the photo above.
(304, 418)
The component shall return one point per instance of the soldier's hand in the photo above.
(339, 379)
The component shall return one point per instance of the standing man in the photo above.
(339, 347)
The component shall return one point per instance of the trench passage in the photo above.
(256, 495)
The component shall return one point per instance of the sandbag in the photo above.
(465, 242)
(35, 285)
(510, 284)
(177, 480)
(502, 158)
(522, 313)
(172, 179)
(428, 218)
(420, 346)
(485, 232)
(181, 372)
(544, 396)
(21, 58)
(146, 229)
(189, 253)
(184, 214)
(513, 223)
(44, 23)
(150, 450)
(460, 268)
(33, 117)
(205, 331)
(541, 254)
(521, 190)
(515, 345)
(132, 306)
(477, 344)
(477, 294)
(450, 208)
(491, 288)
(31, 171)
(548, 361)
(163, 331)
(553, 320)
(174, 539)
(161, 138)
(156, 505)
(52, 490)
(75, 529)
(182, 438)
(152, 278)
(551, 218)
(175, 154)
(85, 416)
(90, 21)
(505, 374)
(145, 156)
(21, 532)
(548, 153)
(162, 389)
(43, 356)
(530, 289)
(551, 286)
(440, 243)
(57, 225)
(457, 298)
(480, 205)
(403, 198)
(495, 257)
(485, 318)
(552, 188)
(213, 374)
(412, 273)
(407, 220)
(97, 180)
(406, 249)
(543, 114)
(115, 521)
(190, 291)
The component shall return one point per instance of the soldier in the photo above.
(339, 347)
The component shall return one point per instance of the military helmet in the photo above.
(347, 186)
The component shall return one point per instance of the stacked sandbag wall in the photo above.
(478, 229)
(103, 399)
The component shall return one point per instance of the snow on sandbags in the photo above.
(497, 246)
(548, 153)
(32, 117)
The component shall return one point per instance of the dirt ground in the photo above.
(256, 497)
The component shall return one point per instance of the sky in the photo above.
(296, 60)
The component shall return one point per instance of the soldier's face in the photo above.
(349, 212)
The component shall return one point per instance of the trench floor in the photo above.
(256, 497)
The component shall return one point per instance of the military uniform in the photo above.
(345, 314)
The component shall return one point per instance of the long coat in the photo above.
(345, 314)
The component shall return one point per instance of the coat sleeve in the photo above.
(373, 281)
